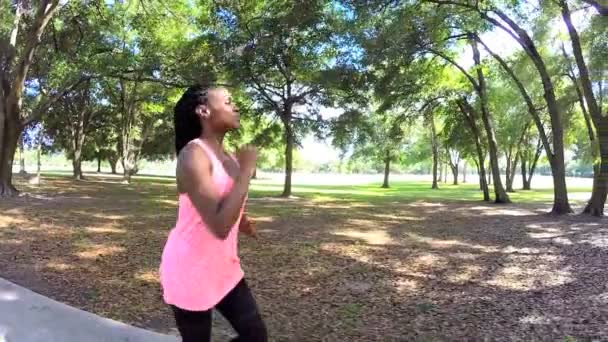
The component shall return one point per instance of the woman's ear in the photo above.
(202, 111)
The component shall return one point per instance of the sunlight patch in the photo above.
(148, 276)
(524, 273)
(12, 241)
(59, 266)
(263, 219)
(440, 244)
(6, 221)
(399, 217)
(373, 237)
(8, 296)
(430, 260)
(426, 204)
(104, 230)
(596, 239)
(465, 274)
(507, 212)
(96, 251)
(535, 319)
(406, 286)
(523, 250)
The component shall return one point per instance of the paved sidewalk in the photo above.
(26, 316)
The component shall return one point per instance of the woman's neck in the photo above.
(214, 140)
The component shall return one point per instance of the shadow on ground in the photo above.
(331, 265)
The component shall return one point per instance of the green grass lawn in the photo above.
(399, 191)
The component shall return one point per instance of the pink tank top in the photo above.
(198, 269)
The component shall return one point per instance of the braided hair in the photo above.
(186, 121)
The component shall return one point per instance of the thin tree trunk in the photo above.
(387, 170)
(464, 172)
(524, 178)
(113, 161)
(445, 173)
(538, 152)
(98, 163)
(435, 149)
(499, 191)
(508, 170)
(511, 173)
(77, 168)
(22, 156)
(469, 113)
(39, 157)
(289, 143)
(490, 176)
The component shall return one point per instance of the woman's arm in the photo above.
(194, 176)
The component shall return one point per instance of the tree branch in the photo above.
(524, 93)
(451, 61)
(37, 113)
(14, 32)
(603, 10)
(43, 15)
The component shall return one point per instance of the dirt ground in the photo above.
(326, 270)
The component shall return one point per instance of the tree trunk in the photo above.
(8, 147)
(464, 172)
(511, 174)
(499, 191)
(77, 168)
(289, 142)
(508, 170)
(445, 173)
(387, 170)
(490, 176)
(255, 174)
(113, 161)
(98, 163)
(469, 113)
(524, 178)
(435, 149)
(21, 156)
(595, 206)
(39, 157)
(533, 163)
(129, 167)
(455, 173)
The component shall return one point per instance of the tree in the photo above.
(530, 152)
(377, 136)
(18, 49)
(282, 58)
(471, 116)
(512, 121)
(479, 84)
(69, 122)
(500, 19)
(595, 206)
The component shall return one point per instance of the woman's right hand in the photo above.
(247, 156)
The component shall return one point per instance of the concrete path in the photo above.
(26, 316)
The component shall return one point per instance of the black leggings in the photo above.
(238, 307)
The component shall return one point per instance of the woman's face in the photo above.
(223, 115)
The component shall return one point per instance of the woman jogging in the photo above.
(200, 268)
